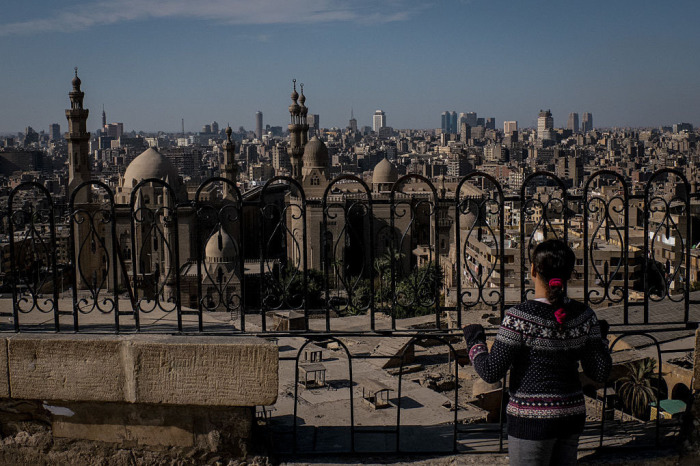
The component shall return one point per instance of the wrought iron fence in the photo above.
(275, 262)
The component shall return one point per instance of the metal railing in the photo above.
(279, 263)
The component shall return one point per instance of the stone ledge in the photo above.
(154, 369)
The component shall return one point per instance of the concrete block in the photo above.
(696, 362)
(66, 367)
(205, 371)
(4, 373)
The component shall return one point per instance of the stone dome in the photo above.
(220, 248)
(150, 164)
(315, 154)
(385, 172)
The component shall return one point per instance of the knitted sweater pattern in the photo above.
(546, 400)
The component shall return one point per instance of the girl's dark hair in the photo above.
(554, 259)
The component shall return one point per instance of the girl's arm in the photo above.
(492, 366)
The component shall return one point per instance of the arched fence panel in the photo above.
(606, 250)
(285, 297)
(155, 259)
(416, 274)
(667, 238)
(93, 250)
(544, 214)
(35, 277)
(479, 245)
(220, 268)
(348, 249)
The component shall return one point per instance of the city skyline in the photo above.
(627, 63)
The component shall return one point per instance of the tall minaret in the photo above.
(229, 168)
(303, 112)
(78, 142)
(296, 148)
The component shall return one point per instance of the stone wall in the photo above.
(141, 390)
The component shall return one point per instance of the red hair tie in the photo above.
(560, 315)
(555, 283)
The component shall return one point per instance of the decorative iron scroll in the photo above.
(607, 268)
(33, 252)
(155, 252)
(415, 289)
(544, 212)
(283, 254)
(220, 277)
(348, 247)
(93, 252)
(667, 207)
(479, 223)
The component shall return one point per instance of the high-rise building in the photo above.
(215, 128)
(480, 122)
(490, 123)
(104, 116)
(587, 122)
(55, 131)
(453, 122)
(572, 122)
(113, 130)
(471, 119)
(509, 127)
(353, 122)
(378, 120)
(445, 122)
(314, 125)
(545, 124)
(464, 131)
(258, 124)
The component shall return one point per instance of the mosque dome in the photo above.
(150, 164)
(315, 154)
(385, 172)
(220, 248)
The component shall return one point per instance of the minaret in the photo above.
(229, 168)
(303, 112)
(78, 142)
(296, 148)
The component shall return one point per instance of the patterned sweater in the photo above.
(546, 400)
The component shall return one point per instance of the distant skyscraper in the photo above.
(314, 125)
(215, 128)
(445, 122)
(464, 131)
(378, 120)
(453, 122)
(258, 124)
(572, 123)
(587, 122)
(353, 122)
(491, 123)
(509, 127)
(55, 131)
(545, 123)
(104, 116)
(471, 119)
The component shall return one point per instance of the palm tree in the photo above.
(636, 390)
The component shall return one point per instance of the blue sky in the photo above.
(153, 62)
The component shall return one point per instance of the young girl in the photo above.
(542, 341)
